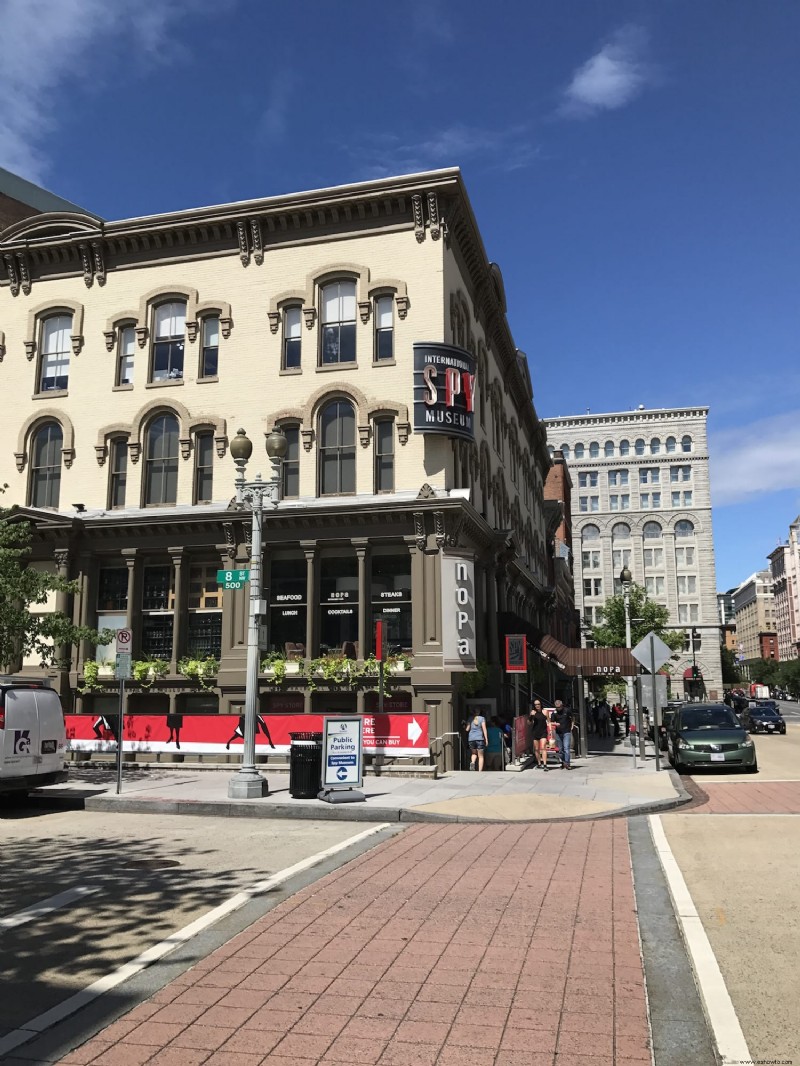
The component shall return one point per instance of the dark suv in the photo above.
(764, 718)
(709, 735)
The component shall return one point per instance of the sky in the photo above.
(634, 168)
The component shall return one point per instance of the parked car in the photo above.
(764, 717)
(32, 735)
(709, 735)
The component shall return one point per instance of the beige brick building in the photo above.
(785, 573)
(754, 612)
(368, 323)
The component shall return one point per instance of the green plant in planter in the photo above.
(91, 671)
(474, 681)
(146, 671)
(203, 670)
(275, 663)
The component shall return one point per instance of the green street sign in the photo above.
(233, 579)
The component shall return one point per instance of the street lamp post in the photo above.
(248, 783)
(626, 579)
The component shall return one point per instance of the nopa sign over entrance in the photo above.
(458, 612)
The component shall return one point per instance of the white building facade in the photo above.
(642, 500)
(785, 574)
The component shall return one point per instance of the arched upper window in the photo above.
(209, 351)
(168, 340)
(338, 334)
(594, 450)
(579, 451)
(292, 337)
(686, 443)
(671, 445)
(45, 481)
(290, 467)
(126, 349)
(651, 531)
(161, 461)
(54, 363)
(590, 533)
(337, 448)
(655, 445)
(384, 328)
(551, 450)
(684, 528)
(565, 450)
(621, 531)
(639, 447)
(608, 449)
(624, 447)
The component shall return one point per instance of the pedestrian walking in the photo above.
(495, 747)
(477, 738)
(538, 721)
(603, 717)
(596, 717)
(564, 725)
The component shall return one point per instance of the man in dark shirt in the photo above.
(564, 723)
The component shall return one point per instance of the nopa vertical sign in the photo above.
(458, 612)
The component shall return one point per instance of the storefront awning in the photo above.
(690, 675)
(590, 662)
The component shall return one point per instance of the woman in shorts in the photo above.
(477, 739)
(539, 724)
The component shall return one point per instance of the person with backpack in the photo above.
(477, 739)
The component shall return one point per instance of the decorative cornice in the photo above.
(24, 273)
(30, 349)
(225, 326)
(141, 335)
(310, 315)
(99, 262)
(364, 308)
(221, 442)
(419, 530)
(426, 493)
(274, 321)
(364, 434)
(19, 459)
(244, 250)
(308, 438)
(68, 456)
(86, 263)
(186, 447)
(134, 451)
(111, 337)
(191, 330)
(401, 303)
(13, 275)
(433, 216)
(419, 220)
(77, 343)
(258, 247)
(403, 431)
(100, 452)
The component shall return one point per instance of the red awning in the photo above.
(689, 676)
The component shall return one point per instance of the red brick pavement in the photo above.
(747, 797)
(450, 945)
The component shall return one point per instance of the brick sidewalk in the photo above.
(748, 797)
(451, 945)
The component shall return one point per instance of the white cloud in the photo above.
(611, 78)
(755, 459)
(274, 117)
(48, 45)
(499, 149)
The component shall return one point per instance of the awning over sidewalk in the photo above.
(590, 662)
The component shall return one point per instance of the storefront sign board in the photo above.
(458, 612)
(342, 752)
(444, 390)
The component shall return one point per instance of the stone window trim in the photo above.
(278, 304)
(397, 413)
(209, 309)
(163, 294)
(366, 411)
(188, 426)
(117, 323)
(38, 314)
(385, 287)
(30, 428)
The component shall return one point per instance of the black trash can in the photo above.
(305, 765)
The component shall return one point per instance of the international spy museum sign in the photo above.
(444, 390)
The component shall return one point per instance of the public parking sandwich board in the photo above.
(342, 753)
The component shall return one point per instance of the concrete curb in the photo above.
(351, 812)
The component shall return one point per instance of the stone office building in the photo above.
(366, 322)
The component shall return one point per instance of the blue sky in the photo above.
(633, 167)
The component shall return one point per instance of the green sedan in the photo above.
(710, 735)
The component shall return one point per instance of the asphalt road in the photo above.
(148, 875)
(742, 873)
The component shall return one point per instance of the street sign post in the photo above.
(652, 653)
(122, 672)
(233, 579)
(124, 641)
(342, 759)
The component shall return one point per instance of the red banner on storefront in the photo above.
(384, 734)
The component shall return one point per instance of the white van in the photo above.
(32, 735)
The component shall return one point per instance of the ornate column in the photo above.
(312, 598)
(180, 591)
(361, 546)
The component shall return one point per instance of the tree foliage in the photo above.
(646, 615)
(731, 675)
(24, 631)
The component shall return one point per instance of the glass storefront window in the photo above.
(157, 591)
(157, 636)
(112, 588)
(204, 637)
(391, 601)
(339, 606)
(204, 592)
(287, 613)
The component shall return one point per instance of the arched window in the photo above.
(161, 461)
(551, 450)
(608, 449)
(686, 443)
(384, 328)
(209, 353)
(579, 451)
(671, 445)
(684, 528)
(594, 450)
(620, 550)
(565, 450)
(292, 338)
(54, 365)
(337, 449)
(624, 447)
(590, 533)
(45, 483)
(639, 447)
(126, 349)
(169, 341)
(117, 472)
(651, 531)
(621, 531)
(384, 455)
(290, 468)
(655, 446)
(338, 334)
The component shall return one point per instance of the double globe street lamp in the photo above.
(248, 783)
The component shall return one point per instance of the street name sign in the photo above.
(233, 579)
(655, 656)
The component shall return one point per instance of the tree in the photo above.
(730, 667)
(23, 632)
(646, 615)
(789, 676)
(764, 671)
